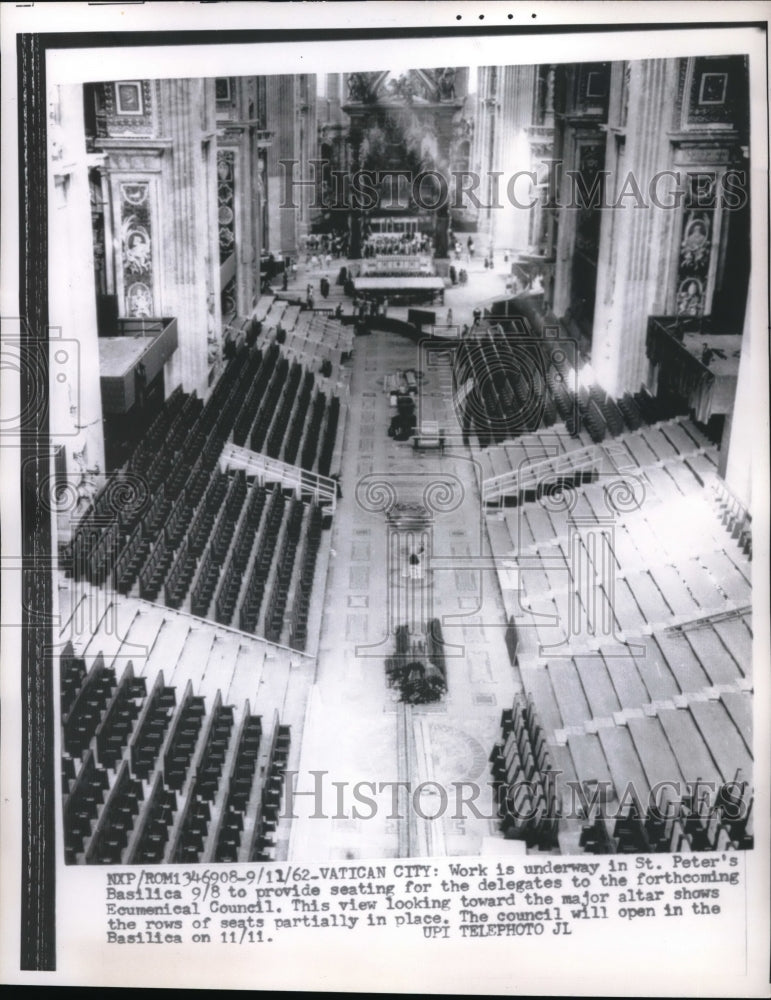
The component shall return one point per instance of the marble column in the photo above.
(740, 436)
(566, 232)
(185, 237)
(354, 216)
(480, 151)
(441, 229)
(282, 196)
(511, 222)
(635, 243)
(74, 391)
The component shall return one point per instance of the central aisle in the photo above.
(356, 730)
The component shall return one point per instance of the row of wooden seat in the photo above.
(184, 733)
(327, 446)
(180, 576)
(510, 394)
(82, 802)
(152, 835)
(163, 427)
(177, 549)
(232, 577)
(93, 552)
(298, 634)
(153, 437)
(153, 468)
(593, 414)
(525, 365)
(151, 729)
(262, 846)
(274, 617)
(253, 398)
(718, 822)
(116, 820)
(153, 573)
(206, 514)
(150, 490)
(71, 676)
(117, 722)
(201, 519)
(216, 550)
(524, 778)
(735, 517)
(655, 747)
(131, 559)
(281, 418)
(298, 422)
(192, 828)
(155, 797)
(270, 403)
(79, 724)
(520, 385)
(319, 342)
(240, 781)
(210, 767)
(266, 544)
(273, 417)
(310, 444)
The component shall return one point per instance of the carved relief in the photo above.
(136, 248)
(229, 299)
(690, 297)
(128, 108)
(717, 92)
(695, 245)
(446, 83)
(695, 251)
(421, 86)
(360, 87)
(131, 161)
(463, 128)
(225, 202)
(591, 162)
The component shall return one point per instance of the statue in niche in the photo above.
(446, 84)
(695, 247)
(138, 251)
(690, 298)
(463, 129)
(402, 89)
(212, 336)
(139, 300)
(86, 486)
(358, 87)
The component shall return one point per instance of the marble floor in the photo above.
(356, 730)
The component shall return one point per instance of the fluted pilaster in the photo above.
(740, 437)
(638, 239)
(75, 397)
(185, 234)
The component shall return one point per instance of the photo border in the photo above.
(38, 815)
